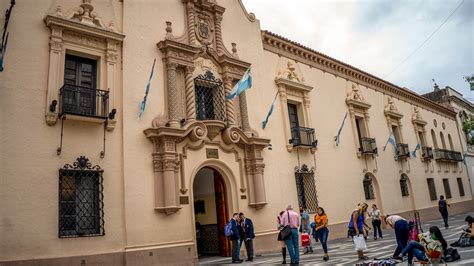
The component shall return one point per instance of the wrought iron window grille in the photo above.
(306, 188)
(368, 188)
(81, 200)
(303, 136)
(209, 94)
(404, 186)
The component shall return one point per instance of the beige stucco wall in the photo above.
(29, 164)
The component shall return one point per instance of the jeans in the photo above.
(414, 249)
(445, 218)
(377, 228)
(292, 245)
(249, 248)
(322, 235)
(401, 233)
(235, 250)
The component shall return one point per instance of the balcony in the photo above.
(403, 150)
(448, 155)
(426, 153)
(303, 137)
(82, 102)
(368, 146)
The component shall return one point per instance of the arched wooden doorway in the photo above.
(211, 213)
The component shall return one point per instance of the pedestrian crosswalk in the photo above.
(341, 251)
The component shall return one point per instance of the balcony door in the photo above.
(294, 124)
(79, 91)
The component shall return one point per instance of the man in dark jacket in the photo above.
(247, 235)
(235, 238)
(443, 209)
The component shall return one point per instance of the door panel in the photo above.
(222, 214)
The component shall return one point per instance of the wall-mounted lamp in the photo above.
(112, 114)
(52, 106)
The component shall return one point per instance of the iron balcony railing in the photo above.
(426, 152)
(402, 150)
(368, 146)
(448, 155)
(303, 136)
(82, 101)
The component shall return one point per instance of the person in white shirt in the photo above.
(376, 221)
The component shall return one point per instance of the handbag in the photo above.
(286, 231)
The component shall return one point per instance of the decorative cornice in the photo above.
(293, 85)
(283, 46)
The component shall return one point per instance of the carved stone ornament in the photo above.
(356, 99)
(391, 110)
(417, 118)
(289, 73)
(204, 28)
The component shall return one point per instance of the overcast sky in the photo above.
(377, 35)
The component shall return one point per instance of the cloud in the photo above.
(376, 36)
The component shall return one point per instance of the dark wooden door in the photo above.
(79, 85)
(222, 214)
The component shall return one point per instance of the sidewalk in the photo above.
(341, 251)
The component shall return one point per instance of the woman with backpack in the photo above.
(429, 250)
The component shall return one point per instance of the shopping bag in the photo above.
(359, 243)
(305, 239)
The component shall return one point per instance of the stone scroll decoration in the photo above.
(201, 43)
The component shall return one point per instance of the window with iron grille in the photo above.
(81, 207)
(460, 187)
(447, 188)
(432, 189)
(209, 94)
(404, 186)
(368, 187)
(306, 188)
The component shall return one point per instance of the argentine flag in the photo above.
(392, 140)
(242, 85)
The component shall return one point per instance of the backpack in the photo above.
(228, 229)
(451, 254)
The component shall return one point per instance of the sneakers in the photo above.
(397, 258)
(326, 258)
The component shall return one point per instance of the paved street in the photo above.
(341, 251)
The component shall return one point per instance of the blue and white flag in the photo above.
(264, 123)
(142, 107)
(3, 51)
(418, 146)
(392, 140)
(337, 138)
(242, 85)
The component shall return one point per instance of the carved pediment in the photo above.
(290, 73)
(417, 118)
(356, 99)
(391, 109)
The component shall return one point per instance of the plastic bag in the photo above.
(359, 243)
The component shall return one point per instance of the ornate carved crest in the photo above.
(355, 94)
(204, 28)
(289, 73)
(390, 106)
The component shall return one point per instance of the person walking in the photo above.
(376, 221)
(282, 242)
(305, 228)
(248, 235)
(292, 219)
(322, 231)
(443, 209)
(235, 238)
(400, 225)
(356, 227)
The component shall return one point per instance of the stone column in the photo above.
(259, 183)
(172, 95)
(55, 65)
(229, 105)
(244, 115)
(190, 97)
(219, 44)
(191, 30)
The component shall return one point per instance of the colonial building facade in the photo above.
(86, 179)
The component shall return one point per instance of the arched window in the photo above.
(433, 136)
(404, 185)
(450, 142)
(368, 187)
(443, 143)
